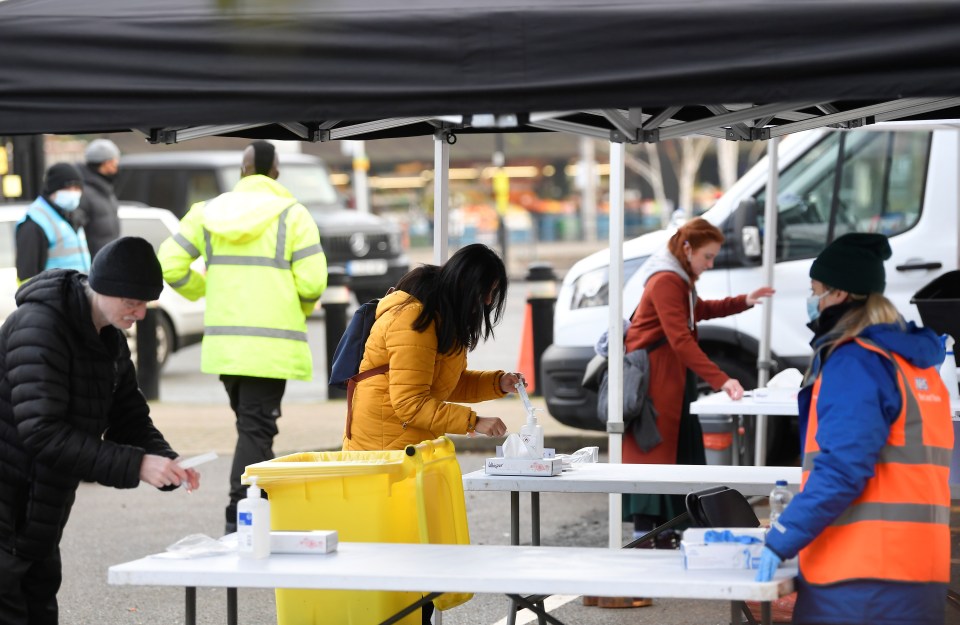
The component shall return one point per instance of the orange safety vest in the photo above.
(904, 505)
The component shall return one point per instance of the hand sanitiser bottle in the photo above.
(253, 524)
(531, 432)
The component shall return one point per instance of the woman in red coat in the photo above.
(669, 309)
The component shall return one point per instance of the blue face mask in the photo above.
(67, 200)
(813, 305)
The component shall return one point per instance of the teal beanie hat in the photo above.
(853, 263)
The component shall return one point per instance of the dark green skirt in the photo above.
(690, 450)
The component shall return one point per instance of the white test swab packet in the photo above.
(195, 461)
(522, 392)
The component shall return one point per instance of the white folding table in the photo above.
(603, 477)
(513, 571)
(777, 403)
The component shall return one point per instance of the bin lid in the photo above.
(939, 304)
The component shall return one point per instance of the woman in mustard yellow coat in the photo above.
(423, 332)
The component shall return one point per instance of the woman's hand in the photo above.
(733, 389)
(508, 382)
(754, 298)
(490, 426)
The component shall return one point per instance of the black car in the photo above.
(369, 248)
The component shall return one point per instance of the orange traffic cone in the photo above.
(526, 364)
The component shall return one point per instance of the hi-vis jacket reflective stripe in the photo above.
(265, 271)
(905, 503)
(67, 247)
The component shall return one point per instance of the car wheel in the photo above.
(783, 439)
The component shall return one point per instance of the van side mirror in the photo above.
(747, 231)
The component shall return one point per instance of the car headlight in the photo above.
(593, 288)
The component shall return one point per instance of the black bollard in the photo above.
(542, 299)
(335, 301)
(148, 369)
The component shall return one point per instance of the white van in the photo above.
(900, 179)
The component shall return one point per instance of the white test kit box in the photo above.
(315, 541)
(698, 553)
(523, 466)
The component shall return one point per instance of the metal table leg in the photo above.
(514, 540)
(231, 606)
(190, 618)
(535, 539)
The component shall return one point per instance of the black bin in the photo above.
(939, 305)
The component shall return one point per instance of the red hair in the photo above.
(697, 232)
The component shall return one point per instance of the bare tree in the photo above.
(651, 171)
(728, 156)
(686, 154)
(757, 150)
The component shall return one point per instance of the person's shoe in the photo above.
(623, 602)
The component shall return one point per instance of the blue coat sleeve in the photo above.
(858, 403)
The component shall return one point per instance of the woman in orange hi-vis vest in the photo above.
(871, 521)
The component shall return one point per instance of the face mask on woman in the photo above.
(813, 305)
(67, 200)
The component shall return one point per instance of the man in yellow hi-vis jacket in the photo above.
(265, 273)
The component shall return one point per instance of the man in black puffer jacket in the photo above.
(71, 410)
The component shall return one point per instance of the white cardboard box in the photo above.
(700, 554)
(523, 466)
(316, 541)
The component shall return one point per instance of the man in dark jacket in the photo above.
(71, 410)
(99, 202)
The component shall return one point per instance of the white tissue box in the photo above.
(699, 554)
(523, 466)
(316, 541)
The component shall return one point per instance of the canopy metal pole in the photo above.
(615, 359)
(769, 263)
(441, 196)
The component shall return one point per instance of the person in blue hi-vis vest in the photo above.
(47, 237)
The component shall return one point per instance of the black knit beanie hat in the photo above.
(853, 263)
(61, 176)
(127, 267)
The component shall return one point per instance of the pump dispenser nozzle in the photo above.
(253, 523)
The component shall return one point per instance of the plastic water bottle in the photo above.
(780, 497)
(948, 370)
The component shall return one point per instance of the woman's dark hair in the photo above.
(454, 296)
(418, 280)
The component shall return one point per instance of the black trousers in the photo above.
(28, 589)
(256, 404)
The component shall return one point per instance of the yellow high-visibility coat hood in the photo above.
(243, 214)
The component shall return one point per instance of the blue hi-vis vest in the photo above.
(67, 248)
